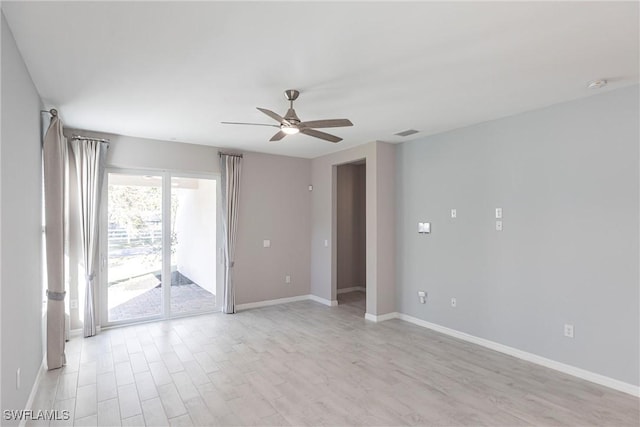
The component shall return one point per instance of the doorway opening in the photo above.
(351, 244)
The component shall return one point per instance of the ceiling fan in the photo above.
(291, 124)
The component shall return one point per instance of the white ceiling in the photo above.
(168, 70)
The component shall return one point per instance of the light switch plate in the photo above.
(266, 243)
(424, 227)
(422, 296)
(498, 213)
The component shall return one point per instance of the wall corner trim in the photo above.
(330, 303)
(381, 317)
(529, 357)
(34, 390)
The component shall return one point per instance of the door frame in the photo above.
(166, 175)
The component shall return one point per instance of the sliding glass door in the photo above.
(159, 246)
(134, 239)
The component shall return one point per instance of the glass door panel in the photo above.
(193, 245)
(134, 239)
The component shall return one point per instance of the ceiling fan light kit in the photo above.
(291, 124)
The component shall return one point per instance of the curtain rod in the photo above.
(89, 138)
(220, 154)
(52, 111)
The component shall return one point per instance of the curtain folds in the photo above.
(55, 175)
(230, 169)
(89, 156)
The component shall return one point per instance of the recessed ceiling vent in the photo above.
(407, 132)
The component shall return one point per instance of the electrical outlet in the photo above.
(498, 225)
(568, 331)
(287, 279)
(454, 213)
(326, 243)
(73, 303)
(454, 302)
(266, 243)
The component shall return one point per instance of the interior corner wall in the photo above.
(21, 224)
(386, 228)
(275, 205)
(380, 230)
(195, 226)
(567, 179)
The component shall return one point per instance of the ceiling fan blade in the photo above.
(250, 124)
(273, 115)
(321, 135)
(333, 123)
(278, 136)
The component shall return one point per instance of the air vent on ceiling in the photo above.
(407, 132)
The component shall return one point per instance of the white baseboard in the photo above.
(76, 332)
(381, 317)
(240, 307)
(322, 300)
(34, 389)
(352, 289)
(529, 357)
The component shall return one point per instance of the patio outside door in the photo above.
(160, 246)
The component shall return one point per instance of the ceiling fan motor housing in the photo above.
(292, 117)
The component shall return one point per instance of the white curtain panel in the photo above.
(230, 168)
(55, 155)
(90, 158)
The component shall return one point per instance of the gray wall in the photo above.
(380, 220)
(351, 226)
(21, 225)
(567, 180)
(275, 204)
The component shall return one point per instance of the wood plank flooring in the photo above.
(306, 364)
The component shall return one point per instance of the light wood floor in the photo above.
(307, 364)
